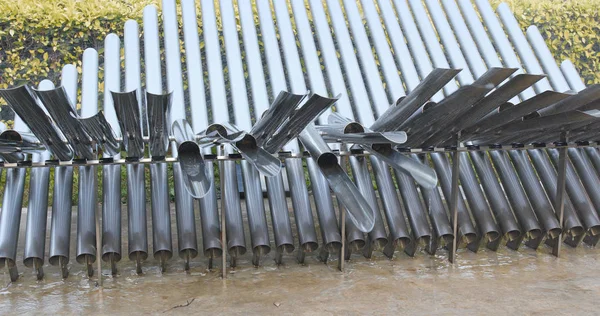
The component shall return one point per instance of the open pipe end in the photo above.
(398, 137)
(575, 231)
(237, 251)
(193, 253)
(380, 243)
(213, 252)
(403, 242)
(469, 238)
(492, 236)
(82, 258)
(310, 246)
(262, 160)
(513, 235)
(534, 234)
(134, 255)
(333, 246)
(196, 176)
(288, 248)
(357, 244)
(554, 232)
(107, 255)
(261, 250)
(448, 239)
(594, 230)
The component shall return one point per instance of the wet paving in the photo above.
(504, 282)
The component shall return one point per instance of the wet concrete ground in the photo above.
(507, 282)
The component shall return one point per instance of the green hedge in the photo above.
(571, 29)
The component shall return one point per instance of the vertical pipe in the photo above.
(111, 174)
(487, 227)
(236, 241)
(37, 211)
(559, 203)
(88, 183)
(496, 197)
(307, 235)
(535, 192)
(60, 234)
(136, 193)
(209, 216)
(465, 227)
(257, 220)
(516, 196)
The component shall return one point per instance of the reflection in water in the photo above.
(486, 282)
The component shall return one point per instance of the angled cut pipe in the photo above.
(397, 115)
(572, 224)
(588, 176)
(10, 219)
(398, 230)
(158, 106)
(424, 175)
(22, 101)
(193, 176)
(64, 115)
(583, 206)
(466, 229)
(362, 179)
(354, 132)
(517, 198)
(442, 233)
(14, 142)
(470, 115)
(513, 113)
(486, 225)
(537, 197)
(100, 131)
(37, 211)
(128, 112)
(298, 120)
(506, 220)
(359, 211)
(280, 110)
(414, 210)
(60, 227)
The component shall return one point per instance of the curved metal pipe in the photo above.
(359, 211)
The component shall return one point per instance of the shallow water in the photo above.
(523, 282)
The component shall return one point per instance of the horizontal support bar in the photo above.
(282, 155)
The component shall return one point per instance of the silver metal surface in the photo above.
(22, 101)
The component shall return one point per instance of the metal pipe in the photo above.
(540, 203)
(37, 211)
(517, 198)
(506, 220)
(442, 233)
(60, 233)
(111, 175)
(209, 216)
(486, 225)
(578, 196)
(547, 175)
(415, 212)
(467, 231)
(10, 220)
